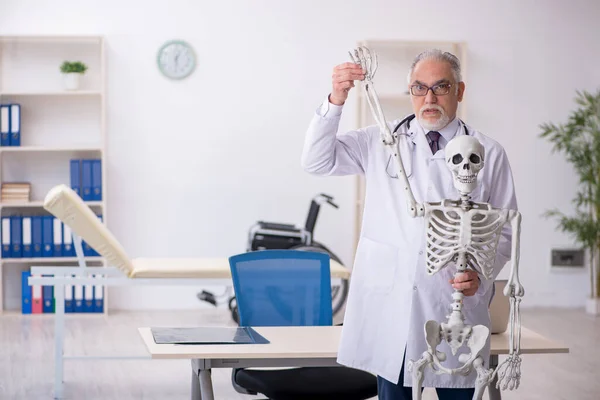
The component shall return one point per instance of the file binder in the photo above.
(58, 237)
(86, 180)
(47, 236)
(27, 242)
(68, 248)
(6, 236)
(98, 296)
(88, 298)
(69, 304)
(25, 293)
(36, 295)
(78, 298)
(15, 124)
(96, 180)
(76, 176)
(4, 125)
(36, 235)
(16, 233)
(48, 297)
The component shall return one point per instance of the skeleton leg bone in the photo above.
(484, 376)
(417, 368)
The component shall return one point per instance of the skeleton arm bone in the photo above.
(362, 56)
(509, 372)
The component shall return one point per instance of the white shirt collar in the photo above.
(447, 132)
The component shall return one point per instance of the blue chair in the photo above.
(291, 288)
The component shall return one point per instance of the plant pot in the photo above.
(592, 306)
(71, 80)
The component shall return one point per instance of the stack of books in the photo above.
(16, 192)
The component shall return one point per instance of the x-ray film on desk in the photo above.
(207, 335)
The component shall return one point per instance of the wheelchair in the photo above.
(264, 235)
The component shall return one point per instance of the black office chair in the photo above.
(291, 288)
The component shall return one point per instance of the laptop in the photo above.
(500, 308)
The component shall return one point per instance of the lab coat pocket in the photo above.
(376, 264)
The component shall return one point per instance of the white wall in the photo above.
(221, 149)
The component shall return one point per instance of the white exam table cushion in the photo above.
(209, 268)
(67, 206)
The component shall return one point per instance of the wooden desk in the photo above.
(301, 347)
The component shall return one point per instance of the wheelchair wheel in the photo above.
(339, 293)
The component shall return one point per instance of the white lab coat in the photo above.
(391, 297)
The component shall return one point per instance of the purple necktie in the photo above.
(433, 141)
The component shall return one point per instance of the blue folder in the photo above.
(15, 124)
(96, 180)
(4, 125)
(75, 172)
(86, 180)
(16, 233)
(47, 236)
(6, 237)
(48, 298)
(27, 237)
(36, 235)
(25, 293)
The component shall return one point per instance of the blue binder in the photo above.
(47, 298)
(98, 296)
(47, 236)
(36, 236)
(6, 237)
(88, 298)
(4, 125)
(15, 124)
(16, 233)
(27, 238)
(76, 176)
(25, 293)
(68, 249)
(57, 237)
(69, 298)
(96, 180)
(86, 180)
(78, 297)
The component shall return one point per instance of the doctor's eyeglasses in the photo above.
(439, 90)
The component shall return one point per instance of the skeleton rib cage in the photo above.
(452, 229)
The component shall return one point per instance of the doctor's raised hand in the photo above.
(343, 79)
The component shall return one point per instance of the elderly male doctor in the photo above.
(391, 297)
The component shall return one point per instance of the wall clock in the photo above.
(176, 59)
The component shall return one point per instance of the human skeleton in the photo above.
(463, 232)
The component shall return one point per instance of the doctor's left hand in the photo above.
(467, 281)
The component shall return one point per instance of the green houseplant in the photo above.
(579, 140)
(72, 71)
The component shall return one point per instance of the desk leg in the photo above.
(494, 392)
(59, 331)
(206, 387)
(202, 388)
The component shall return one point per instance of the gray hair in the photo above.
(438, 55)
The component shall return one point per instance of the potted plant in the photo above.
(72, 72)
(579, 140)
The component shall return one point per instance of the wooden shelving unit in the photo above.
(57, 125)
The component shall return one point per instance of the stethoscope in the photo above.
(409, 145)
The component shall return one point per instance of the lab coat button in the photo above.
(421, 253)
(414, 288)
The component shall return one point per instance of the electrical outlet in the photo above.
(568, 258)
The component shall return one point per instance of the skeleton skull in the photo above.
(464, 157)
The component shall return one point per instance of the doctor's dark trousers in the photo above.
(386, 390)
